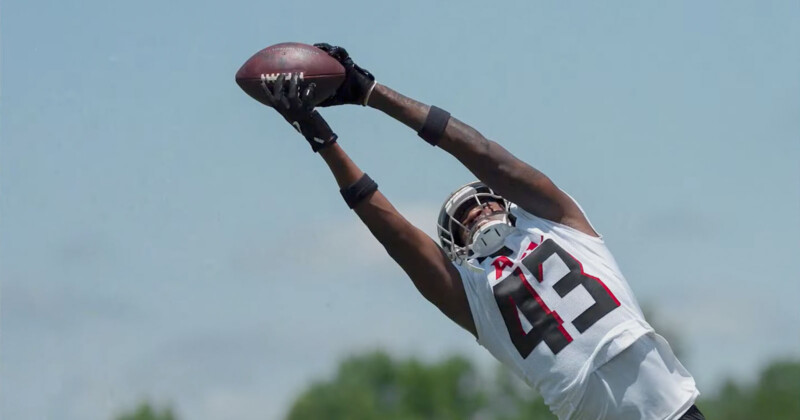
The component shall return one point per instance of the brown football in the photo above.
(313, 64)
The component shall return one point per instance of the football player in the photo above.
(518, 264)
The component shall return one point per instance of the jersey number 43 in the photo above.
(516, 297)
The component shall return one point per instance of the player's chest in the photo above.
(543, 293)
(518, 251)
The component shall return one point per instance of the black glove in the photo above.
(358, 83)
(298, 109)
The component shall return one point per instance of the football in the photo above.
(313, 64)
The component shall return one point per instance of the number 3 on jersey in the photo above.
(515, 296)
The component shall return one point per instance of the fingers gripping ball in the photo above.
(296, 106)
(358, 83)
(311, 64)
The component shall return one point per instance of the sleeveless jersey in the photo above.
(553, 306)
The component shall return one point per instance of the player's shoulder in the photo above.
(527, 221)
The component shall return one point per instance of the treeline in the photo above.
(378, 386)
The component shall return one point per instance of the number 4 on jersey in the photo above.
(516, 299)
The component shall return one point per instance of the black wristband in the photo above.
(434, 125)
(358, 190)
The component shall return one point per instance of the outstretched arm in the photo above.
(491, 163)
(423, 260)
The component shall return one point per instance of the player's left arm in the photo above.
(509, 176)
(491, 163)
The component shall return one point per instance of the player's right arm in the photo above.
(425, 262)
(431, 271)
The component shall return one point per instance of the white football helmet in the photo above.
(481, 241)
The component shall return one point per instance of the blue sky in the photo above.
(164, 236)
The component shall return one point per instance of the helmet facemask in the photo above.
(482, 238)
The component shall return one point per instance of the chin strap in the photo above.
(490, 237)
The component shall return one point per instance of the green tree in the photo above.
(145, 411)
(375, 386)
(776, 396)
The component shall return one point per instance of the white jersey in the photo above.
(553, 306)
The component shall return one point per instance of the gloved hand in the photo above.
(298, 109)
(358, 83)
